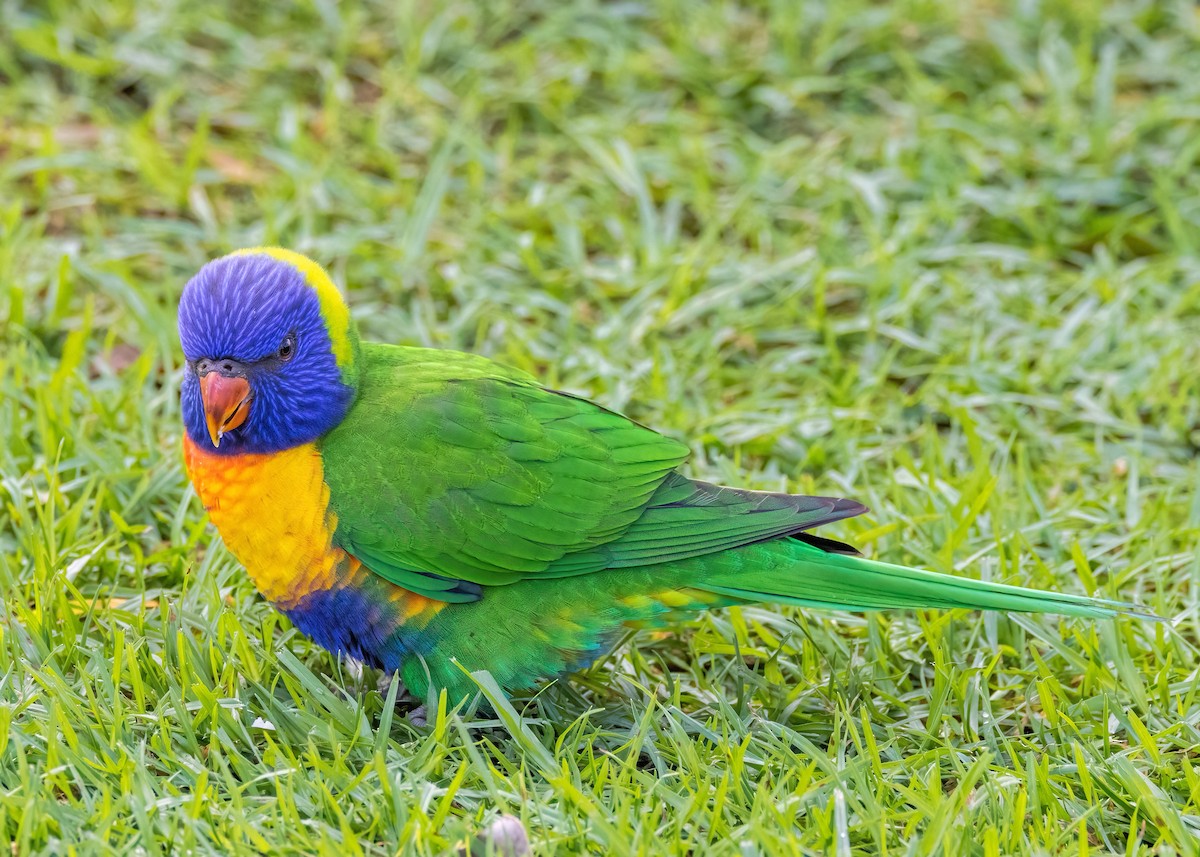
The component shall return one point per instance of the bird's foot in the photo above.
(415, 714)
(418, 716)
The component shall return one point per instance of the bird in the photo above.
(433, 513)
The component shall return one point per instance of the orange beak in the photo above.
(226, 403)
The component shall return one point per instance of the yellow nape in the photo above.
(333, 305)
(273, 513)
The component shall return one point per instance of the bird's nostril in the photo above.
(227, 367)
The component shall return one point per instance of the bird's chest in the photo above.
(273, 513)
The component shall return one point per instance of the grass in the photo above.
(939, 257)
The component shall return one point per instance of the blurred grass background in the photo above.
(939, 257)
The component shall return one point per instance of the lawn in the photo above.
(939, 257)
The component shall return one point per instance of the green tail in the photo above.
(538, 629)
(807, 576)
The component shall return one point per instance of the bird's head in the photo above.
(272, 353)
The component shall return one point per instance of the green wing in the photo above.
(451, 473)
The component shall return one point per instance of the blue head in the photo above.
(272, 353)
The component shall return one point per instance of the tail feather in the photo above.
(840, 581)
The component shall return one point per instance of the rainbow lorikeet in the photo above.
(428, 511)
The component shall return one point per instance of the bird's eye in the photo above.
(287, 348)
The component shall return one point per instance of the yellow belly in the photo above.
(273, 513)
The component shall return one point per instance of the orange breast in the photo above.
(273, 513)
